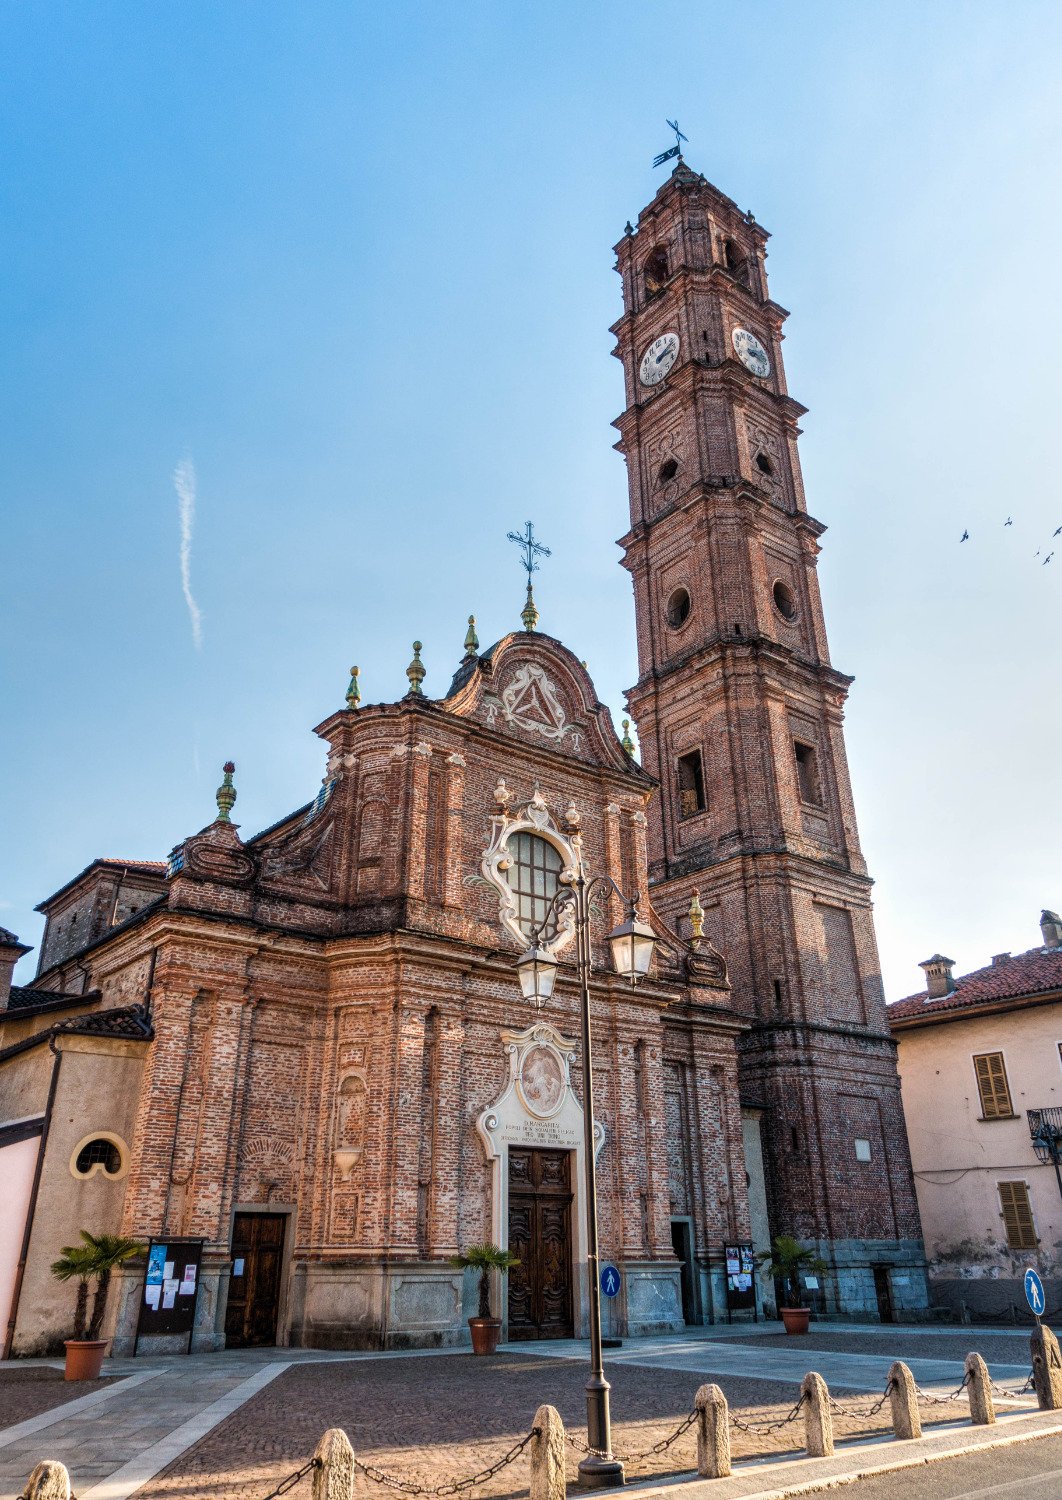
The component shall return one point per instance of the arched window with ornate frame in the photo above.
(529, 859)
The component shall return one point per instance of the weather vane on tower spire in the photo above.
(532, 550)
(676, 149)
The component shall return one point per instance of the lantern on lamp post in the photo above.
(631, 945)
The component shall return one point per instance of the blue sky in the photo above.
(354, 263)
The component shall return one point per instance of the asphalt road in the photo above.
(1023, 1471)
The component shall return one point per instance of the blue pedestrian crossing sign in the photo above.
(1034, 1292)
(611, 1280)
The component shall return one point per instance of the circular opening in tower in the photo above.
(784, 602)
(679, 605)
(668, 469)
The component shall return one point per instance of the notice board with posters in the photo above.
(171, 1288)
(741, 1280)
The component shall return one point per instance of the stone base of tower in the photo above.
(872, 1281)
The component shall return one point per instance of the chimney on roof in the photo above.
(11, 950)
(999, 958)
(1051, 927)
(939, 980)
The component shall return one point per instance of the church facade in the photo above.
(307, 1053)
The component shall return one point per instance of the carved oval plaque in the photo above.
(541, 1080)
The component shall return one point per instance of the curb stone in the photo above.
(746, 1482)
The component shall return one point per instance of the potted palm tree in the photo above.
(784, 1262)
(91, 1261)
(486, 1330)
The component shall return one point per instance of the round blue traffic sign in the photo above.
(1034, 1292)
(611, 1280)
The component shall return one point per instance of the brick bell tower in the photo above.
(740, 713)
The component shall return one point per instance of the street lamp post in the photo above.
(632, 946)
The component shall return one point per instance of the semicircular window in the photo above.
(99, 1152)
(534, 878)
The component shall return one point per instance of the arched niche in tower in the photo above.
(656, 271)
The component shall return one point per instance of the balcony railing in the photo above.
(1045, 1132)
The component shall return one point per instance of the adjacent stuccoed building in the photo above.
(981, 1076)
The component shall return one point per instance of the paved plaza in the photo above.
(230, 1426)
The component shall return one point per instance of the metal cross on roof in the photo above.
(530, 548)
(676, 149)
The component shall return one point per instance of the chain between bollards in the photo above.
(455, 1487)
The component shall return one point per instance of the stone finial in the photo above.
(529, 613)
(1051, 927)
(471, 638)
(502, 794)
(547, 1455)
(979, 1390)
(1046, 1368)
(696, 916)
(713, 1432)
(226, 793)
(627, 742)
(939, 979)
(818, 1420)
(903, 1401)
(354, 690)
(415, 671)
(573, 817)
(333, 1478)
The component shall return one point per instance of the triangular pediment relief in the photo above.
(532, 688)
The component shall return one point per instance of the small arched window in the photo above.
(100, 1152)
(736, 263)
(534, 878)
(656, 271)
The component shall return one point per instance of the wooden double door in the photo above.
(254, 1281)
(540, 1233)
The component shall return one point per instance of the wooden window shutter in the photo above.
(992, 1083)
(1017, 1216)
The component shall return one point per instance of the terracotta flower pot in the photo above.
(796, 1319)
(485, 1334)
(84, 1358)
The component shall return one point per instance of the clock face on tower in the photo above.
(751, 352)
(658, 359)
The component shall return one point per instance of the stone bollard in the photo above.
(333, 1479)
(979, 1387)
(49, 1481)
(818, 1423)
(1046, 1368)
(547, 1456)
(713, 1433)
(903, 1399)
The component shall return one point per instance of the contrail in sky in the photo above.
(184, 484)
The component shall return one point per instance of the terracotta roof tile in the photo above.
(1022, 974)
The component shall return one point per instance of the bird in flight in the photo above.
(965, 537)
(1056, 531)
(1008, 522)
(1048, 558)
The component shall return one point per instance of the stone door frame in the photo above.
(511, 1121)
(287, 1268)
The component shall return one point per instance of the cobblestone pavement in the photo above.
(27, 1392)
(449, 1417)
